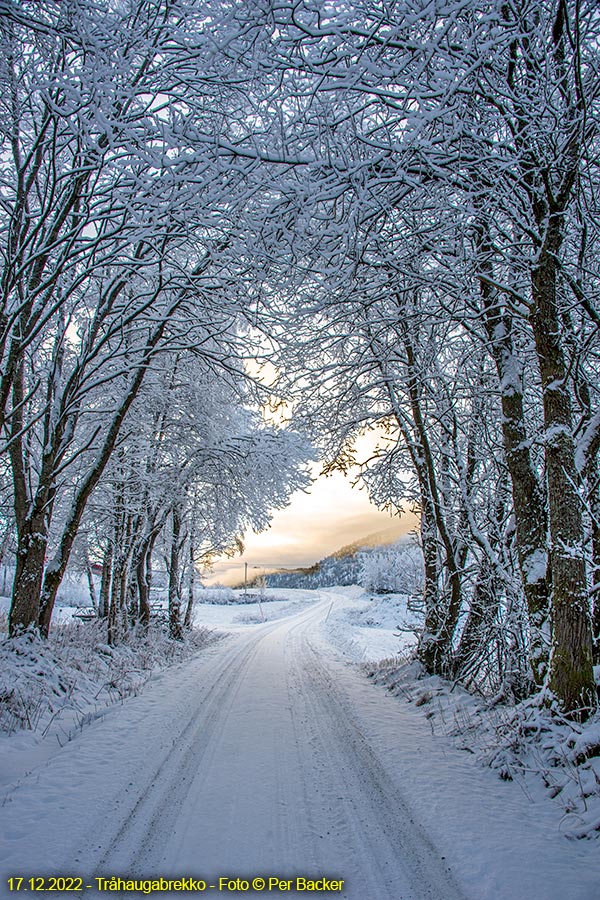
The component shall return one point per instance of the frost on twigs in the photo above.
(60, 685)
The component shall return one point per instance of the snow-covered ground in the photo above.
(368, 628)
(271, 754)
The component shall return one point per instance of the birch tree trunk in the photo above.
(105, 581)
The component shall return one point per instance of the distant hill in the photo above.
(343, 567)
(377, 539)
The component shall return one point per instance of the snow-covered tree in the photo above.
(396, 569)
(118, 222)
(195, 467)
(467, 132)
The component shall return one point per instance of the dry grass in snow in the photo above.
(60, 684)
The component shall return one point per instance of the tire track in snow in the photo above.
(328, 806)
(395, 856)
(140, 830)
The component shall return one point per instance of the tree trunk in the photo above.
(175, 629)
(571, 674)
(144, 577)
(484, 605)
(528, 495)
(31, 516)
(51, 583)
(434, 651)
(118, 599)
(429, 547)
(187, 622)
(105, 581)
(133, 599)
(90, 578)
(29, 574)
(531, 520)
(143, 591)
(594, 502)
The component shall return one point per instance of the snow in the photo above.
(235, 616)
(535, 566)
(271, 754)
(50, 693)
(367, 627)
(555, 433)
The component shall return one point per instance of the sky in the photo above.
(315, 524)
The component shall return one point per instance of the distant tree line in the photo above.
(393, 569)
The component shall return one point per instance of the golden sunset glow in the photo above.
(314, 525)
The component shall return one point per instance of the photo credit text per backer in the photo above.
(228, 884)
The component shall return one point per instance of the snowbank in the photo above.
(531, 744)
(49, 690)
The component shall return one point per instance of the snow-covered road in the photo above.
(279, 781)
(265, 756)
(244, 762)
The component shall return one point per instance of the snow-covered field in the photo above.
(270, 753)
